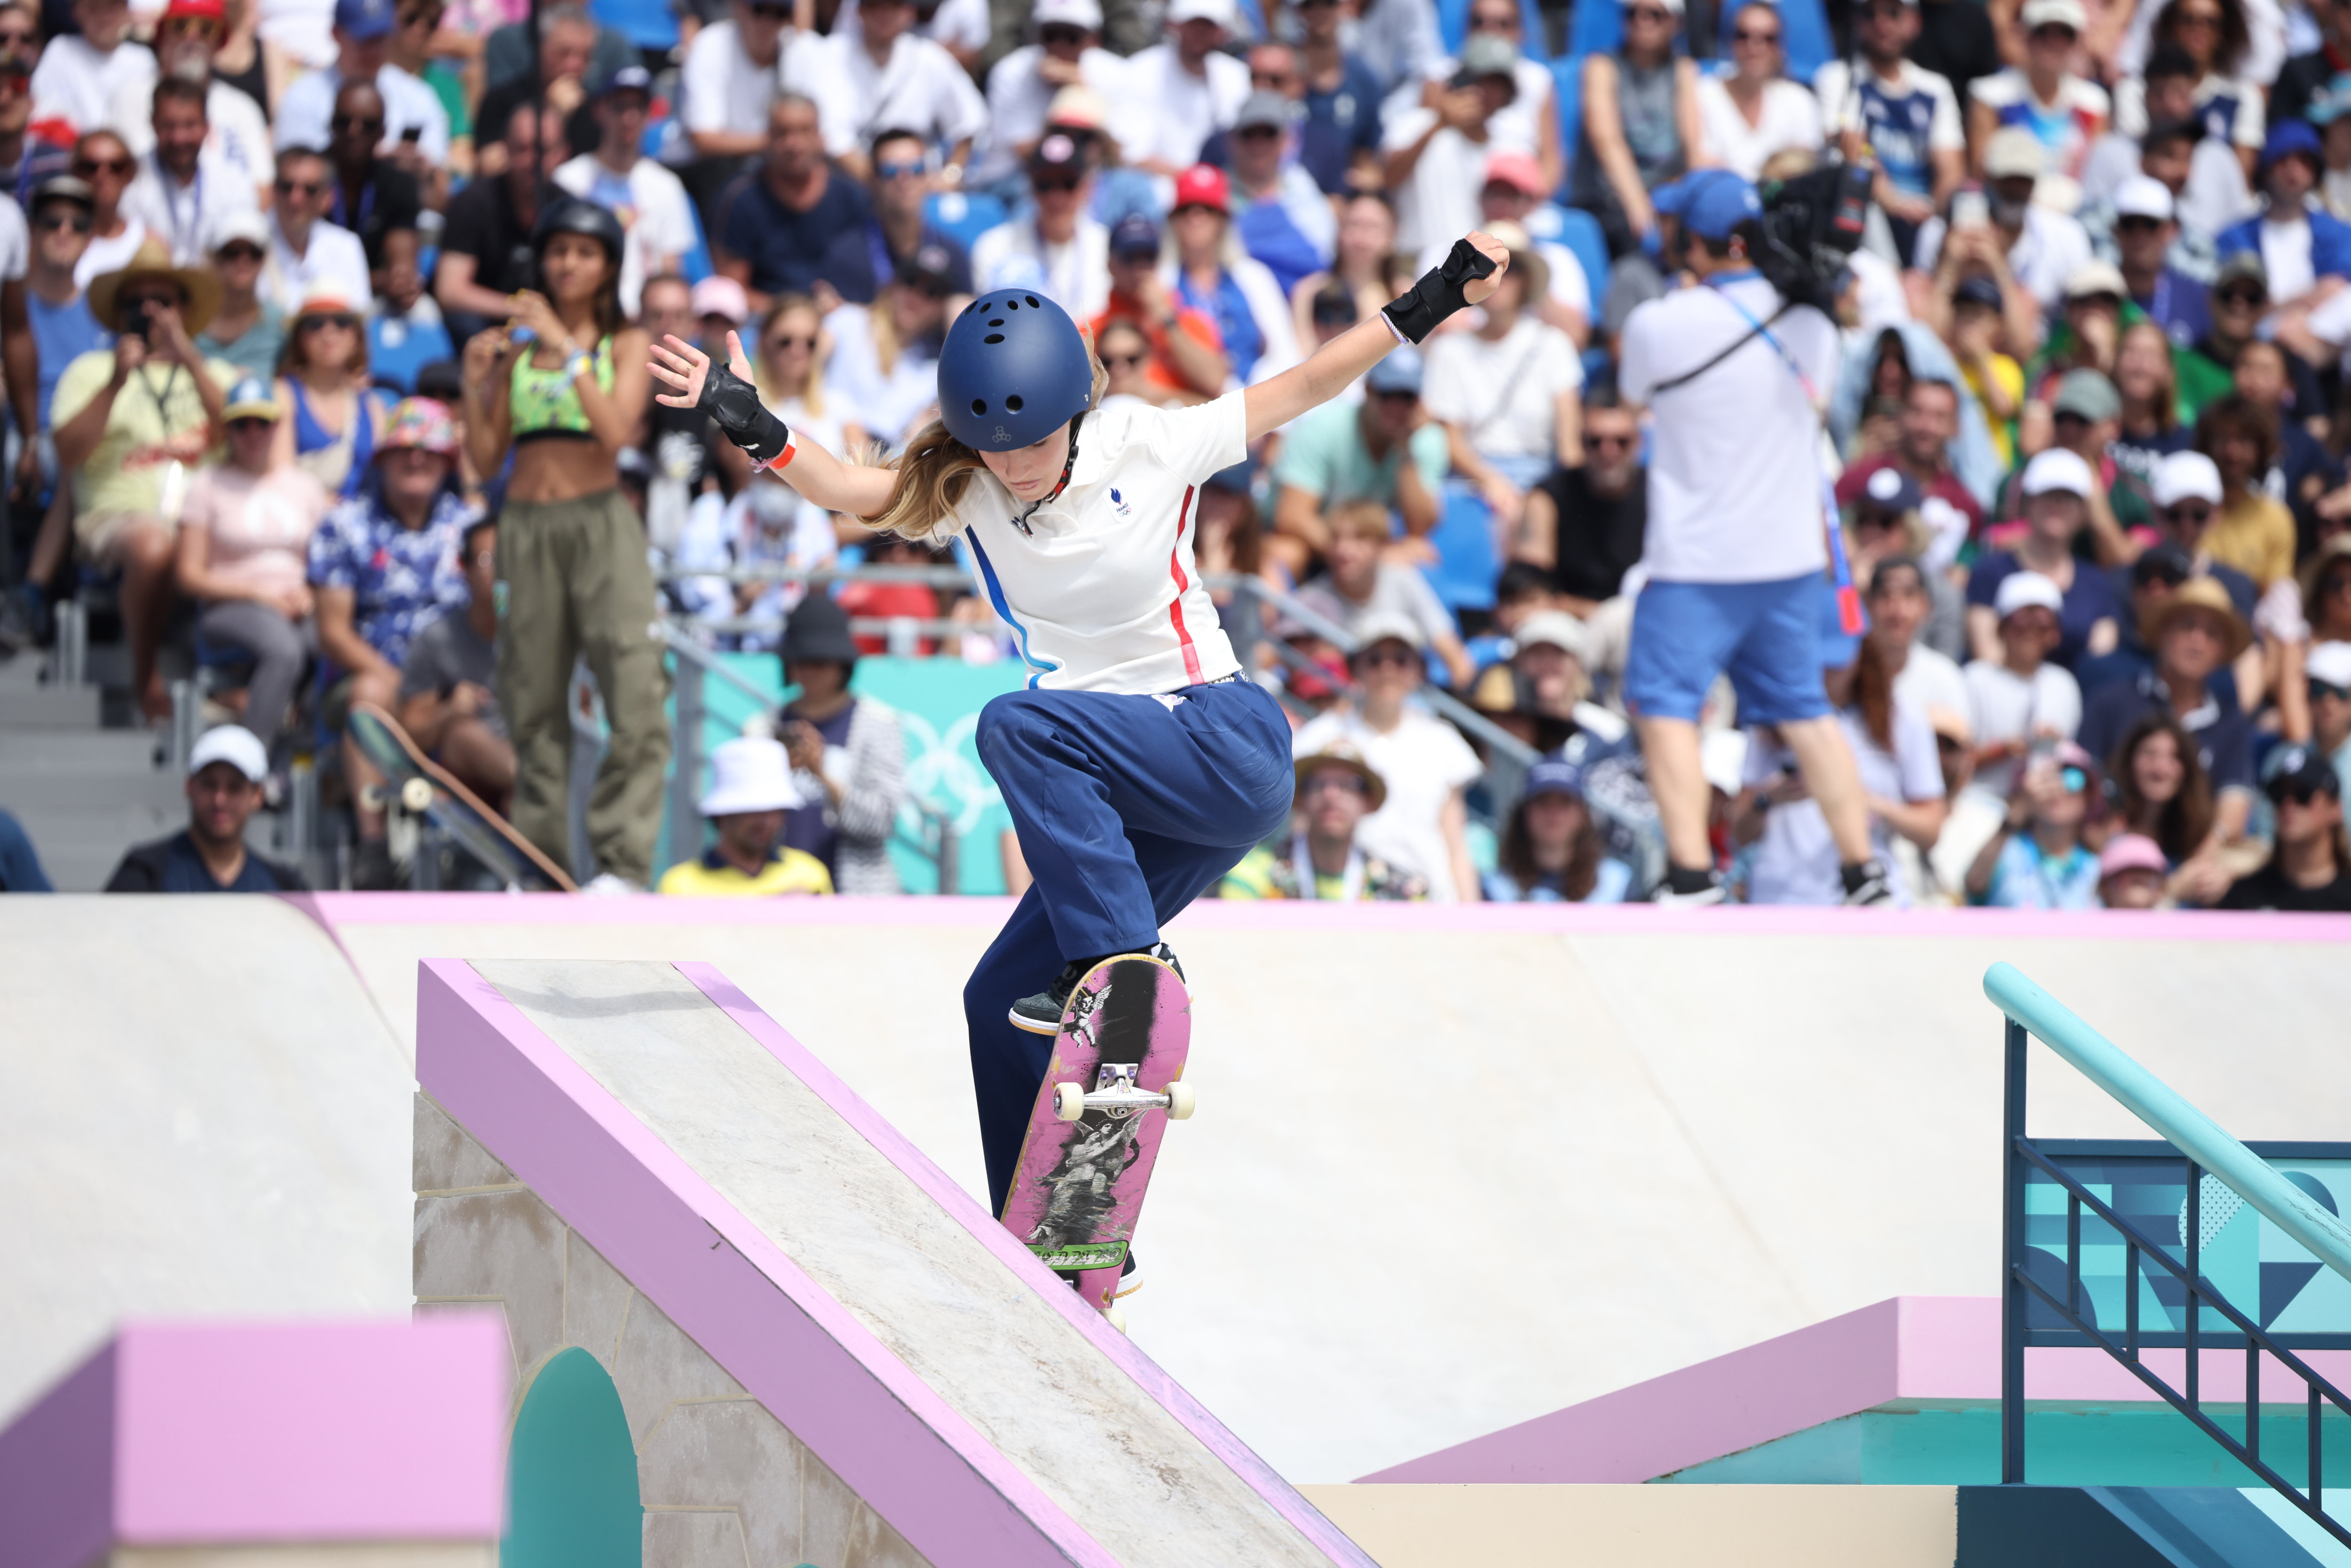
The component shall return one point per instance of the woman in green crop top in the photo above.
(560, 388)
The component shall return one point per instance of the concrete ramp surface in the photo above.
(920, 1355)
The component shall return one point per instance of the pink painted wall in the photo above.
(1904, 1348)
(185, 1434)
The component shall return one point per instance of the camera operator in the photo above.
(1736, 546)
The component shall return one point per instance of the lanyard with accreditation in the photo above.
(1848, 597)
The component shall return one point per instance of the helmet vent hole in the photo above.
(979, 407)
(1032, 302)
(1012, 305)
(996, 321)
(993, 337)
(1013, 403)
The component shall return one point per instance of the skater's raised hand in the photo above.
(1494, 251)
(678, 364)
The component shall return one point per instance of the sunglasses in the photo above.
(240, 251)
(1403, 658)
(1333, 5)
(248, 425)
(50, 223)
(2195, 516)
(1123, 361)
(1257, 133)
(1493, 21)
(772, 13)
(87, 167)
(1609, 440)
(777, 345)
(2049, 32)
(1874, 519)
(1755, 35)
(301, 187)
(2319, 688)
(2301, 792)
(1336, 783)
(2137, 226)
(1061, 187)
(912, 171)
(373, 127)
(1059, 34)
(313, 323)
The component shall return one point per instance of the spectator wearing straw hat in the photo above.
(750, 791)
(848, 758)
(226, 768)
(2194, 630)
(1320, 858)
(2310, 869)
(133, 422)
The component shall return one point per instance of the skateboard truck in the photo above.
(1115, 1092)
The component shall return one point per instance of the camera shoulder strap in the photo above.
(1754, 329)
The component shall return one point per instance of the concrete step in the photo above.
(85, 796)
(48, 708)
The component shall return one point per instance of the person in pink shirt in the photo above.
(244, 551)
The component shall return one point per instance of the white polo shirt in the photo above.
(1101, 592)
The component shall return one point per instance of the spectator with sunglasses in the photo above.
(2327, 676)
(57, 307)
(650, 201)
(1906, 115)
(1380, 450)
(309, 256)
(333, 415)
(2145, 231)
(103, 160)
(2064, 112)
(371, 196)
(1320, 858)
(867, 259)
(184, 191)
(1341, 95)
(244, 554)
(247, 330)
(1186, 353)
(1280, 213)
(237, 130)
(486, 259)
(362, 42)
(884, 365)
(1020, 87)
(81, 71)
(1756, 111)
(1640, 126)
(1057, 247)
(1583, 525)
(2309, 871)
(2036, 858)
(1185, 90)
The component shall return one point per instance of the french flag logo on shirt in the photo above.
(1119, 501)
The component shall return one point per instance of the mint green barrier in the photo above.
(2195, 1135)
(937, 702)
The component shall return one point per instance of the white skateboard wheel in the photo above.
(1180, 1102)
(416, 795)
(1114, 1318)
(1069, 1102)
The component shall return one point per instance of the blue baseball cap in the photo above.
(2290, 138)
(1710, 202)
(364, 19)
(1399, 372)
(1553, 776)
(627, 78)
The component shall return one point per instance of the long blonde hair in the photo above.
(933, 471)
(812, 390)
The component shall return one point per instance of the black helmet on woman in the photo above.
(577, 215)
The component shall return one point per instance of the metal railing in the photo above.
(2210, 1154)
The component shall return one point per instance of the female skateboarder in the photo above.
(1137, 766)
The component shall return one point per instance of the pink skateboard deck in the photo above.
(1078, 1186)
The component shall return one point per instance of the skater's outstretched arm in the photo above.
(727, 394)
(1441, 291)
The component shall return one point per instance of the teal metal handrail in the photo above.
(2160, 1106)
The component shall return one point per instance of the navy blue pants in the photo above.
(1127, 810)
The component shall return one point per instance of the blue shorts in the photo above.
(1764, 635)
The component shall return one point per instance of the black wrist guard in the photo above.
(733, 404)
(1438, 293)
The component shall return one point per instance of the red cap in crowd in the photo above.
(1203, 185)
(196, 11)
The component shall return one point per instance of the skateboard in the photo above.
(428, 790)
(1092, 1137)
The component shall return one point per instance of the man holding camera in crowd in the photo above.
(1735, 375)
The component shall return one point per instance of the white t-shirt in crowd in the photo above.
(958, 24)
(1518, 124)
(1423, 760)
(2005, 705)
(1171, 112)
(16, 244)
(1504, 394)
(1791, 118)
(2049, 248)
(1734, 471)
(721, 89)
(1437, 202)
(1932, 680)
(1013, 255)
(105, 256)
(188, 216)
(1100, 590)
(1795, 861)
(653, 207)
(1397, 591)
(307, 106)
(238, 133)
(2065, 128)
(77, 83)
(889, 403)
(1018, 99)
(334, 263)
(919, 88)
(2285, 257)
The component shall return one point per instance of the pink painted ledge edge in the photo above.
(334, 910)
(940, 1512)
(960, 1206)
(1903, 1348)
(183, 1433)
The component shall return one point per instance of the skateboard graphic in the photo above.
(1094, 1135)
(425, 789)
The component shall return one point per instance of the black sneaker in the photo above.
(372, 868)
(1868, 882)
(1041, 1013)
(1689, 887)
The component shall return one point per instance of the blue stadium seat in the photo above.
(1578, 231)
(1567, 96)
(963, 215)
(1467, 560)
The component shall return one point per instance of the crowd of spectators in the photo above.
(316, 358)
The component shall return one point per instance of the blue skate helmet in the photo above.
(1013, 371)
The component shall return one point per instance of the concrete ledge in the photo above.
(1647, 1527)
